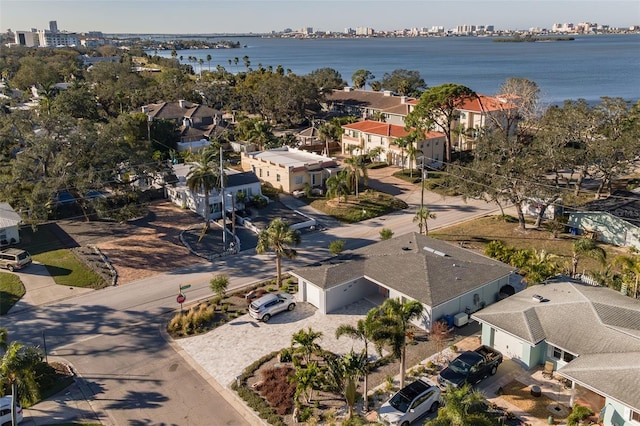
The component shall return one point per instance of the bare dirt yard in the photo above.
(143, 247)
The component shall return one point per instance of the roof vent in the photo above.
(406, 248)
(537, 298)
(434, 251)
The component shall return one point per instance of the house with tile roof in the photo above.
(447, 279)
(365, 136)
(289, 168)
(366, 104)
(195, 122)
(482, 112)
(9, 223)
(613, 220)
(591, 334)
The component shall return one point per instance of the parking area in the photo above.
(226, 351)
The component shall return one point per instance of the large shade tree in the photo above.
(279, 238)
(438, 110)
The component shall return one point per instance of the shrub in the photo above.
(578, 413)
(285, 355)
(277, 389)
(305, 414)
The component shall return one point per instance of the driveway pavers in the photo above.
(227, 350)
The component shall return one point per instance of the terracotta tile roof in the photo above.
(386, 129)
(484, 103)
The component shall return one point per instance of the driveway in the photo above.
(227, 350)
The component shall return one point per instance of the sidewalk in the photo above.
(70, 405)
(41, 289)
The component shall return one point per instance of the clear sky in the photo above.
(261, 16)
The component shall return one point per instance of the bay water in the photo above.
(588, 67)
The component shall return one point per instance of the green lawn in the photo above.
(66, 269)
(367, 205)
(11, 290)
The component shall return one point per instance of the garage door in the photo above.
(313, 295)
(507, 344)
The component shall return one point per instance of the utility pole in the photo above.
(222, 197)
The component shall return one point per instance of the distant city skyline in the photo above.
(246, 16)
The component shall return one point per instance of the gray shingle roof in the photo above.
(8, 216)
(616, 375)
(598, 324)
(369, 99)
(402, 263)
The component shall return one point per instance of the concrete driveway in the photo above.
(226, 351)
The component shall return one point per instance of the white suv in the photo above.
(266, 306)
(5, 411)
(410, 403)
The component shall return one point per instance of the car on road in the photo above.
(263, 308)
(410, 403)
(14, 259)
(5, 411)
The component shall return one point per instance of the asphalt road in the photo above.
(113, 336)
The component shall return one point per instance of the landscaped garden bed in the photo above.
(368, 204)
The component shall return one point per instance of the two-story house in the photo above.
(368, 136)
(367, 104)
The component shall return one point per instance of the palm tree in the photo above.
(279, 238)
(17, 370)
(395, 317)
(337, 186)
(4, 339)
(422, 215)
(461, 408)
(412, 152)
(343, 375)
(209, 62)
(304, 342)
(201, 62)
(586, 247)
(539, 266)
(364, 330)
(204, 176)
(306, 379)
(356, 168)
(631, 267)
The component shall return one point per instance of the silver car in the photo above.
(266, 306)
(410, 403)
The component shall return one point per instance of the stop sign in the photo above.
(181, 298)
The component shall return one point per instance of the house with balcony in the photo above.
(589, 334)
(367, 136)
(237, 182)
(194, 122)
(288, 168)
(367, 104)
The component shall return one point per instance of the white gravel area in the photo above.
(227, 350)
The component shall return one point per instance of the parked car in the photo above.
(470, 367)
(410, 403)
(14, 259)
(270, 304)
(5, 411)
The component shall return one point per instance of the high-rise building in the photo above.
(53, 26)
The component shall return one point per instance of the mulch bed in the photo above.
(540, 407)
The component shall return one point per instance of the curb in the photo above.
(234, 400)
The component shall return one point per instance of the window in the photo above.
(635, 416)
(567, 357)
(278, 177)
(260, 172)
(297, 180)
(559, 354)
(267, 173)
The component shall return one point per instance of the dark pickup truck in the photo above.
(470, 367)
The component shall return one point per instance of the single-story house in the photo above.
(447, 279)
(366, 104)
(591, 335)
(9, 222)
(237, 182)
(288, 168)
(614, 220)
(368, 135)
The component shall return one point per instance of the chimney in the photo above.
(145, 109)
(347, 89)
(182, 103)
(403, 100)
(387, 92)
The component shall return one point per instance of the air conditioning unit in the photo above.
(460, 319)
